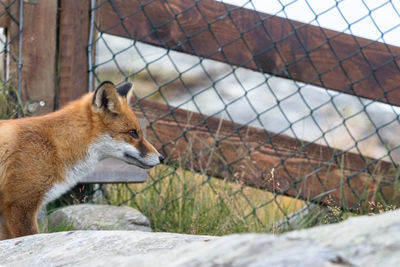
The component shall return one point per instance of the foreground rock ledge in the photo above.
(359, 241)
(87, 248)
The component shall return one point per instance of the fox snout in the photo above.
(143, 162)
(145, 158)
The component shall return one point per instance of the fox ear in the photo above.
(126, 90)
(106, 98)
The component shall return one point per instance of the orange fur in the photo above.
(36, 153)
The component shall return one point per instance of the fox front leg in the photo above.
(20, 221)
(4, 232)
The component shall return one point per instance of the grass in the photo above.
(8, 102)
(186, 202)
(182, 201)
(64, 226)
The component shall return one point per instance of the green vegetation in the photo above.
(63, 227)
(9, 99)
(185, 202)
(182, 201)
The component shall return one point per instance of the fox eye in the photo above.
(134, 134)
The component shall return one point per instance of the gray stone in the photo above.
(87, 248)
(42, 219)
(98, 217)
(299, 217)
(358, 241)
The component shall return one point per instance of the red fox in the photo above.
(42, 157)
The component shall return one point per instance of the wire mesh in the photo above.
(280, 124)
(11, 62)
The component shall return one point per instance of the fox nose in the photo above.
(161, 158)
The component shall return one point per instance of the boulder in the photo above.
(86, 248)
(358, 241)
(98, 217)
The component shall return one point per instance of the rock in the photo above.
(358, 241)
(299, 217)
(98, 217)
(90, 248)
(42, 218)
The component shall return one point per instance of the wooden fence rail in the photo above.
(259, 158)
(261, 42)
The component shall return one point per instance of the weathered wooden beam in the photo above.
(115, 171)
(73, 57)
(261, 42)
(5, 12)
(261, 159)
(38, 73)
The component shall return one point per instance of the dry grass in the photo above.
(186, 202)
(8, 102)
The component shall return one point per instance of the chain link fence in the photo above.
(264, 110)
(11, 61)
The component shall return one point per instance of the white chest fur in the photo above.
(101, 148)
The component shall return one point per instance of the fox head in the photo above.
(121, 136)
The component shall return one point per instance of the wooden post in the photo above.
(52, 75)
(73, 57)
(4, 13)
(38, 54)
